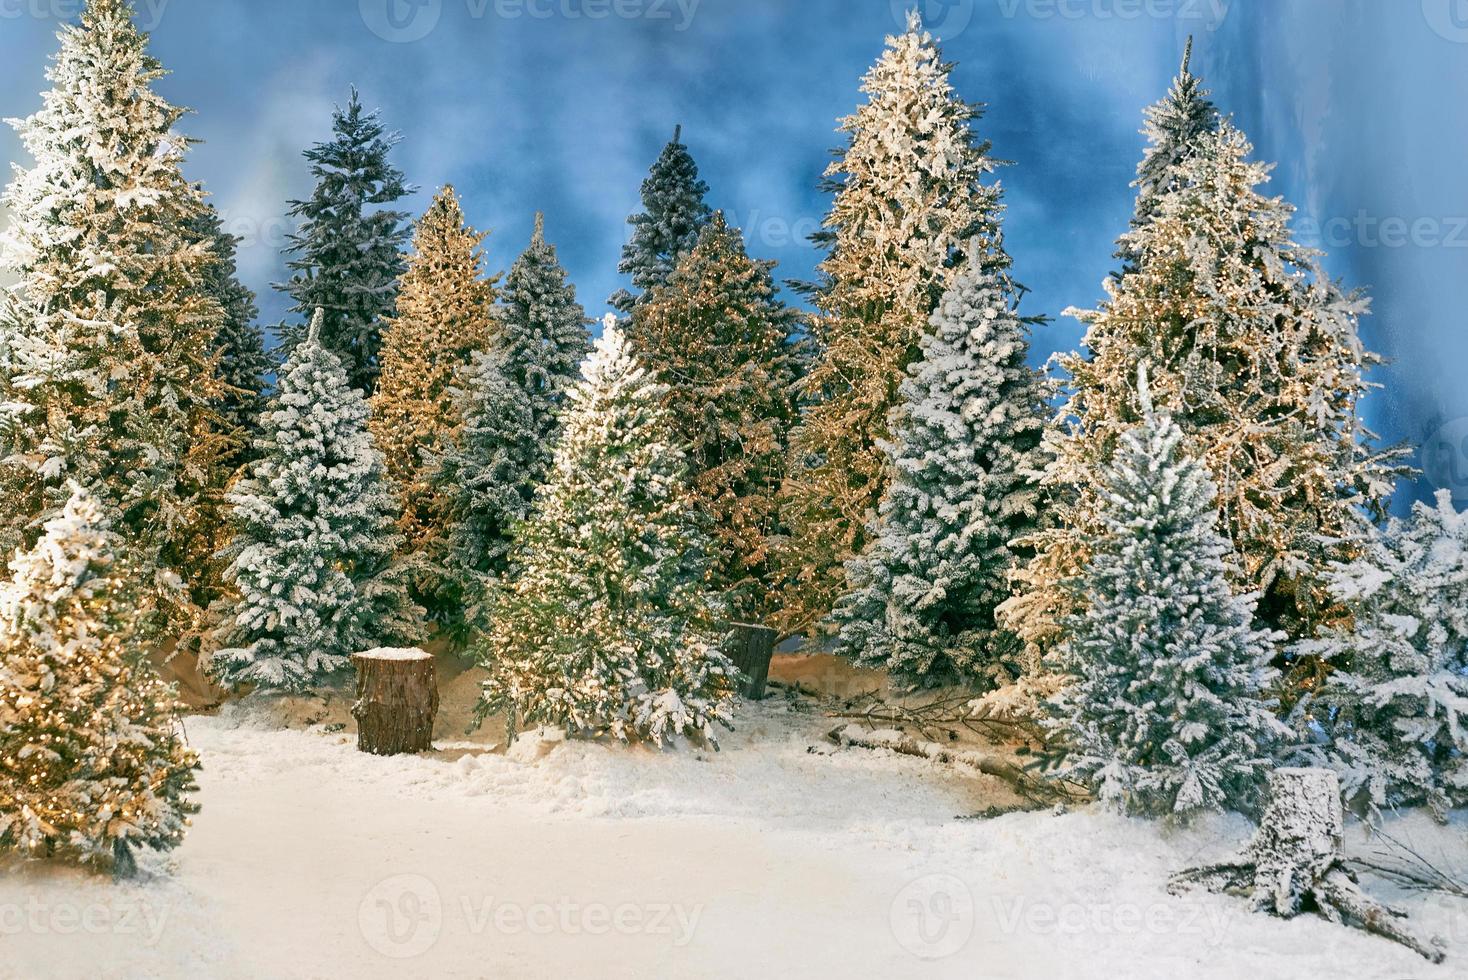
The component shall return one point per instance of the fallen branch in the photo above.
(1038, 791)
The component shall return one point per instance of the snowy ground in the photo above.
(778, 856)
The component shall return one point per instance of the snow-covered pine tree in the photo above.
(445, 315)
(243, 361)
(964, 457)
(508, 402)
(910, 214)
(1396, 707)
(1257, 358)
(93, 762)
(717, 337)
(122, 329)
(1164, 710)
(347, 256)
(674, 211)
(313, 560)
(608, 626)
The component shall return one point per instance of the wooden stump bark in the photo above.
(1296, 863)
(752, 648)
(397, 700)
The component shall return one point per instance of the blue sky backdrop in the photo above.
(561, 105)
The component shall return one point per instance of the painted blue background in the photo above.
(561, 105)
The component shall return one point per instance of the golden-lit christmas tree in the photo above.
(92, 758)
(445, 315)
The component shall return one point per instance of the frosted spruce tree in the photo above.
(445, 315)
(964, 457)
(312, 562)
(508, 401)
(347, 256)
(910, 214)
(608, 626)
(1174, 128)
(121, 328)
(1258, 359)
(674, 211)
(93, 762)
(723, 345)
(1164, 710)
(243, 362)
(1396, 703)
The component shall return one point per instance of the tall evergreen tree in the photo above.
(1258, 360)
(313, 560)
(608, 626)
(1164, 711)
(120, 329)
(445, 315)
(716, 336)
(509, 403)
(347, 256)
(910, 214)
(243, 362)
(964, 456)
(1396, 704)
(93, 762)
(674, 211)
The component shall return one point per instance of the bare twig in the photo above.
(1402, 864)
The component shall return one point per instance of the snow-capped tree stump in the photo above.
(1296, 863)
(397, 700)
(752, 648)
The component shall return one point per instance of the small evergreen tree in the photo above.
(608, 626)
(93, 762)
(313, 558)
(722, 344)
(347, 256)
(121, 330)
(1396, 707)
(667, 229)
(445, 315)
(910, 214)
(972, 411)
(508, 401)
(1163, 712)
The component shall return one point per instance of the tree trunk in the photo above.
(752, 648)
(397, 700)
(1296, 863)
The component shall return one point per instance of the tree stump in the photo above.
(397, 700)
(752, 648)
(1296, 863)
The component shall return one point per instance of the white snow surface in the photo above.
(778, 856)
(391, 653)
